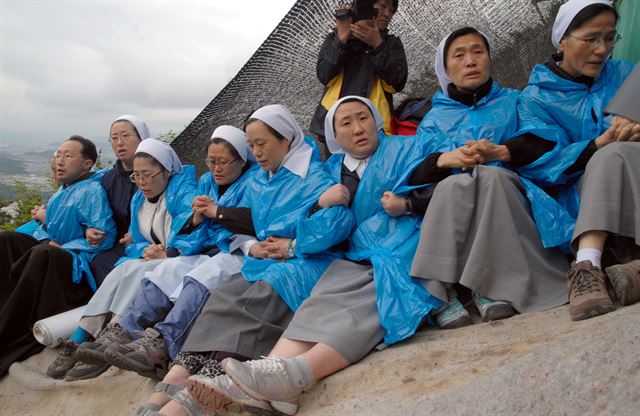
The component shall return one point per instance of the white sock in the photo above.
(591, 254)
(300, 372)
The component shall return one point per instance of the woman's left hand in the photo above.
(393, 204)
(154, 252)
(278, 248)
(490, 152)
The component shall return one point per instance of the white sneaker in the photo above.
(492, 310)
(267, 379)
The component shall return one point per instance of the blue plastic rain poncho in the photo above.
(216, 234)
(35, 229)
(180, 193)
(388, 243)
(70, 211)
(571, 115)
(280, 205)
(450, 124)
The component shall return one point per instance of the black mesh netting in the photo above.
(282, 70)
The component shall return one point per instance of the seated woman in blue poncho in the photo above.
(246, 314)
(170, 299)
(480, 229)
(592, 169)
(358, 302)
(160, 228)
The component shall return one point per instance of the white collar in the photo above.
(357, 165)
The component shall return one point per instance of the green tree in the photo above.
(168, 136)
(27, 199)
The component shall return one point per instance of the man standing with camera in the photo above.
(359, 57)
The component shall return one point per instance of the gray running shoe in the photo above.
(220, 394)
(146, 356)
(65, 360)
(93, 352)
(492, 310)
(453, 316)
(84, 371)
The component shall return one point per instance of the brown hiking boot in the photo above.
(625, 279)
(588, 296)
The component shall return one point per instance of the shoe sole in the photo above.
(593, 311)
(458, 323)
(122, 361)
(623, 286)
(281, 408)
(498, 312)
(217, 402)
(89, 376)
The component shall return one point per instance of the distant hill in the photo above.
(10, 165)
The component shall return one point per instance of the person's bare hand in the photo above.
(338, 194)
(343, 27)
(154, 251)
(54, 244)
(278, 248)
(259, 251)
(39, 213)
(462, 157)
(368, 32)
(126, 240)
(393, 204)
(94, 236)
(625, 130)
(489, 151)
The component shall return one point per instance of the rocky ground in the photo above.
(533, 364)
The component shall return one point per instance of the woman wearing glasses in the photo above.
(171, 297)
(593, 167)
(160, 228)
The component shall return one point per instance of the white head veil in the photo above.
(329, 130)
(567, 13)
(140, 126)
(161, 152)
(236, 138)
(441, 72)
(279, 118)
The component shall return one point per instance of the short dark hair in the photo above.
(463, 31)
(349, 100)
(271, 129)
(153, 160)
(587, 14)
(229, 146)
(89, 150)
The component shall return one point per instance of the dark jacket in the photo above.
(119, 190)
(361, 65)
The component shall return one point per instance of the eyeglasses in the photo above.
(66, 156)
(595, 41)
(212, 164)
(143, 178)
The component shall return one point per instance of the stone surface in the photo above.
(533, 364)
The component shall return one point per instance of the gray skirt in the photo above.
(240, 317)
(478, 231)
(610, 193)
(341, 312)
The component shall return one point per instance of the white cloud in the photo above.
(72, 66)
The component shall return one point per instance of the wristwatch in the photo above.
(291, 248)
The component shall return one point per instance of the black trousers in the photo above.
(35, 283)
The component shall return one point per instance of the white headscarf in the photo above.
(441, 72)
(161, 152)
(279, 118)
(329, 130)
(140, 126)
(567, 13)
(236, 138)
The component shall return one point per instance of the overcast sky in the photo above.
(71, 67)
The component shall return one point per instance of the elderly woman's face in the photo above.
(468, 62)
(151, 179)
(355, 129)
(579, 55)
(268, 149)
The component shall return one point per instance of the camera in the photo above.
(360, 10)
